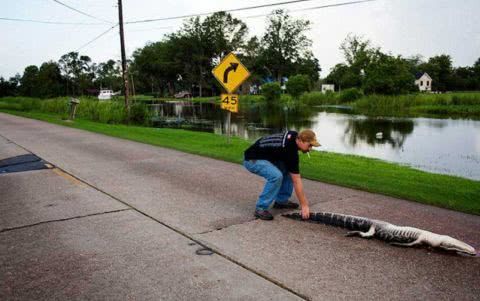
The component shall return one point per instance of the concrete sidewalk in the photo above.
(122, 220)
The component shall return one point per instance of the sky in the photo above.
(399, 27)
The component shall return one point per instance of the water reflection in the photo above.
(437, 145)
(196, 116)
(378, 131)
(277, 118)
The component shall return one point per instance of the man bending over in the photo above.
(275, 158)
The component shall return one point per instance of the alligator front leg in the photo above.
(368, 234)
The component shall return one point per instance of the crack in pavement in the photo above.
(61, 220)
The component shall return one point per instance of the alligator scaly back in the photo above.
(349, 222)
(395, 235)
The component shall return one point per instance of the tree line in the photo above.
(184, 59)
(374, 71)
(72, 75)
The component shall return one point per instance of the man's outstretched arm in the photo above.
(298, 187)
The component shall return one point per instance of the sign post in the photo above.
(230, 73)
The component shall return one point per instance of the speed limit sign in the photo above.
(229, 102)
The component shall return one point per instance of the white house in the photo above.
(326, 88)
(423, 81)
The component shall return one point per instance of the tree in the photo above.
(156, 66)
(250, 53)
(476, 68)
(440, 70)
(357, 51)
(298, 84)
(198, 45)
(193, 54)
(414, 63)
(223, 34)
(387, 74)
(29, 81)
(284, 44)
(271, 91)
(358, 54)
(463, 78)
(49, 80)
(10, 87)
(109, 75)
(343, 77)
(309, 66)
(476, 74)
(212, 39)
(78, 71)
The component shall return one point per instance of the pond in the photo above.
(447, 146)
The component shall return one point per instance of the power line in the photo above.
(150, 29)
(48, 22)
(192, 15)
(80, 12)
(97, 37)
(317, 7)
(333, 5)
(228, 10)
(178, 17)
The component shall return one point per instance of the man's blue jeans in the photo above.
(279, 185)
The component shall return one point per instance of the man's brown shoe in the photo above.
(263, 214)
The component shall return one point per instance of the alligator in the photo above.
(393, 234)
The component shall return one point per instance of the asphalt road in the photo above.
(115, 219)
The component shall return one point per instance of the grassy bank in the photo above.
(89, 108)
(449, 104)
(455, 104)
(345, 170)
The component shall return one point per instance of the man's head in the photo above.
(306, 139)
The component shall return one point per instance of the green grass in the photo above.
(444, 105)
(345, 170)
(455, 104)
(111, 111)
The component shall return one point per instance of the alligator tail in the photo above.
(349, 222)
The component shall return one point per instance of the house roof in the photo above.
(420, 74)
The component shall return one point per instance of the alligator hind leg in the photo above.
(368, 234)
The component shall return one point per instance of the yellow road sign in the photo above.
(231, 73)
(229, 102)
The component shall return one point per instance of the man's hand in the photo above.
(298, 186)
(305, 212)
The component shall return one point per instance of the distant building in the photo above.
(326, 88)
(423, 81)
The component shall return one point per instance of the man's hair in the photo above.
(308, 136)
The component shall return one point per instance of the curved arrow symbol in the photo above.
(233, 66)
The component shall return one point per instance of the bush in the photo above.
(466, 99)
(139, 114)
(298, 84)
(53, 105)
(318, 98)
(349, 95)
(271, 91)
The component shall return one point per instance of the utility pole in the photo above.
(124, 60)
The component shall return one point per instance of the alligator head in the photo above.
(452, 244)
